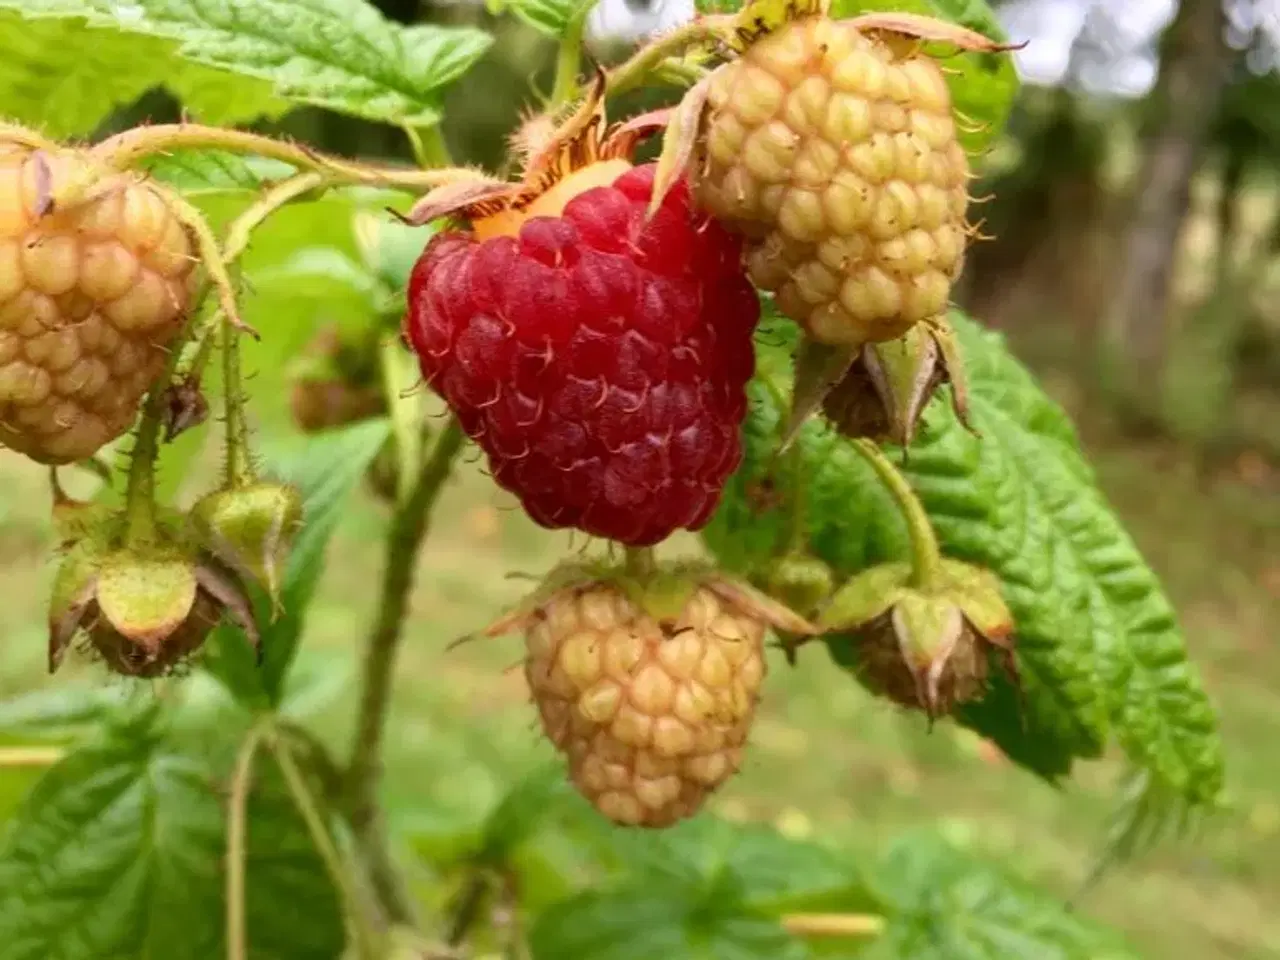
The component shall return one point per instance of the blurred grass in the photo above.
(826, 759)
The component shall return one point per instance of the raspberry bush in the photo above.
(740, 335)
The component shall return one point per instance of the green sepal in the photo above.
(865, 596)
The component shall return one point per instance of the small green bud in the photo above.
(251, 529)
(924, 647)
(803, 582)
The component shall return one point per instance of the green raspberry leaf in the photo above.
(58, 713)
(64, 78)
(199, 173)
(339, 54)
(1099, 646)
(551, 17)
(944, 905)
(771, 874)
(642, 921)
(325, 469)
(118, 852)
(983, 85)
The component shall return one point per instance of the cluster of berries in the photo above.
(591, 326)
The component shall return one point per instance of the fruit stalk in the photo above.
(362, 935)
(408, 530)
(926, 557)
(428, 146)
(125, 150)
(569, 59)
(237, 831)
(140, 486)
(237, 470)
(239, 233)
(646, 61)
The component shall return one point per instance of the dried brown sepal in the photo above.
(185, 408)
(463, 198)
(761, 17)
(679, 140)
(885, 392)
(915, 26)
(144, 613)
(550, 149)
(818, 369)
(924, 646)
(664, 589)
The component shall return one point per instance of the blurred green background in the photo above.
(1135, 268)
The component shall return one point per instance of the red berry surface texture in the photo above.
(599, 357)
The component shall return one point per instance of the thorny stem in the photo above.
(569, 60)
(237, 470)
(646, 61)
(833, 924)
(237, 831)
(925, 555)
(256, 214)
(215, 267)
(408, 529)
(362, 936)
(239, 233)
(140, 486)
(124, 150)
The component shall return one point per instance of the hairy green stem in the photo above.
(140, 485)
(428, 145)
(569, 60)
(239, 233)
(925, 554)
(237, 469)
(359, 931)
(649, 58)
(409, 527)
(237, 832)
(125, 150)
(278, 195)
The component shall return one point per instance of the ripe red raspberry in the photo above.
(600, 359)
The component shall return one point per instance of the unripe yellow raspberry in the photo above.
(90, 297)
(836, 151)
(652, 716)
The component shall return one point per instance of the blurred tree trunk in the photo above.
(1195, 65)
(1045, 217)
